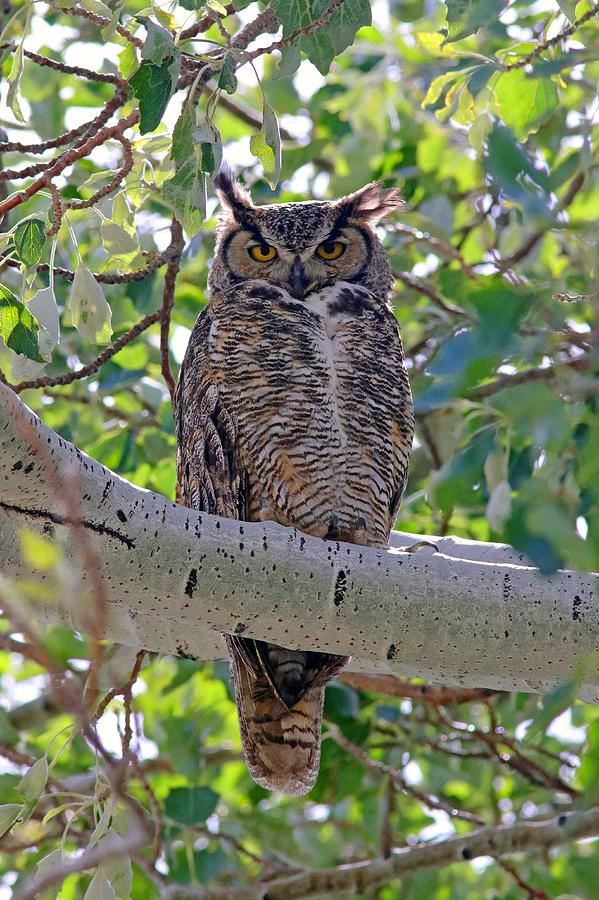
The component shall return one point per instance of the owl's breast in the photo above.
(320, 396)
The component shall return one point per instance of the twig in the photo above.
(323, 20)
(545, 373)
(533, 239)
(94, 366)
(422, 287)
(68, 158)
(551, 42)
(398, 780)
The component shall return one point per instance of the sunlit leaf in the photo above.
(266, 145)
(87, 309)
(29, 238)
(18, 328)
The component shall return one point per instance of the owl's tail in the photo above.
(279, 695)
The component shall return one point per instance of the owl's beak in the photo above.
(299, 282)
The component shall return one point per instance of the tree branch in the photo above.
(354, 878)
(471, 614)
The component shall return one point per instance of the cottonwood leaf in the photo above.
(499, 506)
(188, 806)
(210, 147)
(227, 79)
(525, 103)
(43, 306)
(116, 241)
(182, 146)
(328, 41)
(18, 328)
(266, 145)
(34, 780)
(118, 870)
(289, 63)
(96, 6)
(99, 888)
(46, 866)
(568, 7)
(159, 43)
(29, 238)
(9, 813)
(154, 86)
(185, 192)
(465, 17)
(435, 88)
(14, 84)
(87, 309)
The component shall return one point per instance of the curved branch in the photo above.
(471, 614)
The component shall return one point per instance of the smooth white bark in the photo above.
(472, 614)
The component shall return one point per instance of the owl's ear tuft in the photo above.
(371, 203)
(235, 199)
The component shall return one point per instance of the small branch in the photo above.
(323, 20)
(398, 780)
(67, 159)
(447, 249)
(545, 373)
(111, 847)
(551, 42)
(422, 287)
(98, 362)
(504, 265)
(102, 21)
(427, 693)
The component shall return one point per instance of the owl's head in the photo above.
(302, 247)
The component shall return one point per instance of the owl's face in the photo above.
(302, 247)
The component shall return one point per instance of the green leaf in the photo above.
(14, 84)
(87, 309)
(525, 103)
(568, 7)
(324, 44)
(435, 88)
(117, 241)
(188, 806)
(29, 240)
(266, 145)
(551, 706)
(227, 79)
(159, 43)
(465, 17)
(34, 780)
(9, 813)
(289, 63)
(154, 86)
(99, 888)
(185, 192)
(8, 733)
(182, 146)
(18, 328)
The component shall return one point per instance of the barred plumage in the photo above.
(294, 405)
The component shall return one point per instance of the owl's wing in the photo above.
(279, 693)
(209, 475)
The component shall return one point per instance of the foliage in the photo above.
(484, 118)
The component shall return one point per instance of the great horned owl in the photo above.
(293, 404)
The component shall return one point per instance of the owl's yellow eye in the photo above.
(330, 249)
(262, 252)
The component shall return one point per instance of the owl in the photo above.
(293, 405)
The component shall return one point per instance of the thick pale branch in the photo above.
(451, 611)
